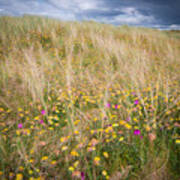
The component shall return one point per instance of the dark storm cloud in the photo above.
(152, 13)
(165, 12)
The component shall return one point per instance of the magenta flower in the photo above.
(136, 102)
(20, 126)
(82, 176)
(43, 112)
(116, 106)
(41, 122)
(108, 105)
(137, 132)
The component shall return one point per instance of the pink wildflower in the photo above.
(20, 126)
(136, 102)
(82, 176)
(108, 105)
(43, 112)
(128, 119)
(41, 122)
(137, 132)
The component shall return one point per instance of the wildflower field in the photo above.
(88, 101)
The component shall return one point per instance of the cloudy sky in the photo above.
(162, 14)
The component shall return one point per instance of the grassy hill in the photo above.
(88, 101)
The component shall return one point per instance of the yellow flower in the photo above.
(20, 109)
(44, 158)
(19, 176)
(11, 174)
(71, 169)
(76, 164)
(37, 170)
(121, 139)
(53, 162)
(154, 125)
(64, 148)
(135, 120)
(1, 173)
(115, 125)
(36, 118)
(148, 128)
(50, 128)
(76, 122)
(30, 172)
(27, 131)
(121, 122)
(31, 151)
(18, 132)
(97, 160)
(21, 115)
(31, 160)
(106, 155)
(62, 139)
(39, 178)
(128, 126)
(114, 136)
(76, 132)
(177, 141)
(74, 153)
(104, 173)
(108, 129)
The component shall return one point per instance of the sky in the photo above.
(161, 14)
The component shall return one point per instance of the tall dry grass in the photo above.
(45, 64)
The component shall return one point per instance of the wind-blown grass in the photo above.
(88, 101)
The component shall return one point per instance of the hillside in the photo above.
(88, 101)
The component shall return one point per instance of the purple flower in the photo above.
(137, 132)
(108, 105)
(41, 122)
(20, 126)
(128, 119)
(82, 176)
(43, 112)
(133, 93)
(116, 106)
(136, 102)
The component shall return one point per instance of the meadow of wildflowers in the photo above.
(88, 101)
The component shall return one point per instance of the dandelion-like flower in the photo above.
(97, 160)
(19, 177)
(177, 141)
